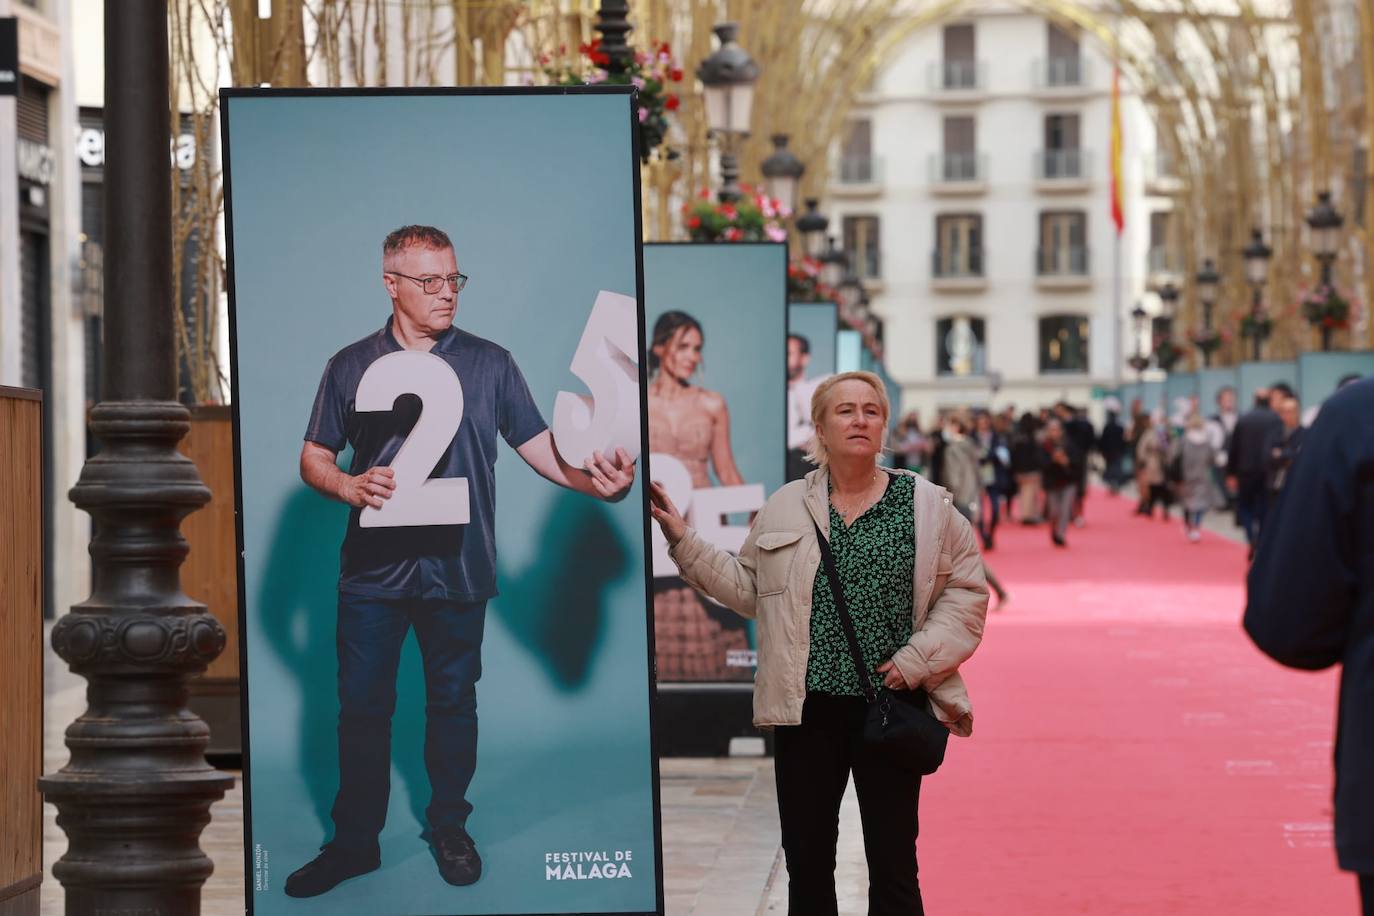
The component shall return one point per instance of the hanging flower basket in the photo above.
(1253, 327)
(1139, 363)
(1168, 353)
(651, 72)
(804, 283)
(1207, 340)
(752, 218)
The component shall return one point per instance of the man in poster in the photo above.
(799, 391)
(435, 577)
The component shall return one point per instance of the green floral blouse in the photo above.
(875, 558)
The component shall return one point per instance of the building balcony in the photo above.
(957, 271)
(958, 173)
(1164, 263)
(1062, 268)
(958, 79)
(1161, 175)
(858, 176)
(1060, 76)
(1060, 170)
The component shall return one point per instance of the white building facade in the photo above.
(973, 194)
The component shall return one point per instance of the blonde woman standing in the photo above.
(911, 574)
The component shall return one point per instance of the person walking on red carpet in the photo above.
(911, 577)
(1311, 598)
(1063, 469)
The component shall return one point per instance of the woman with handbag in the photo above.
(854, 561)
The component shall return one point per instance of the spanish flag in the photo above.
(1118, 210)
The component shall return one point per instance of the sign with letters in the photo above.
(438, 400)
(716, 324)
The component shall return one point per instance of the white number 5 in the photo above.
(417, 500)
(607, 362)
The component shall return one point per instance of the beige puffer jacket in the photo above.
(771, 581)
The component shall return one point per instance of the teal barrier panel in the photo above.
(1262, 375)
(849, 351)
(1178, 385)
(1129, 394)
(1210, 382)
(1152, 394)
(1319, 373)
(817, 323)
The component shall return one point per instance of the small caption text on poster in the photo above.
(262, 870)
(580, 866)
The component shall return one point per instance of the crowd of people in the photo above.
(1034, 469)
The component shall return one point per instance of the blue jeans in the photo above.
(370, 634)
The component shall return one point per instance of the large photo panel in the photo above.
(445, 618)
(716, 322)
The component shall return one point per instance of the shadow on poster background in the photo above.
(554, 610)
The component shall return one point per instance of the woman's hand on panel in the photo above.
(673, 525)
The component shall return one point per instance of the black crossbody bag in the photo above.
(899, 721)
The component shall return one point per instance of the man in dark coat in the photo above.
(1247, 463)
(1311, 602)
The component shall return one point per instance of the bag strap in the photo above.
(846, 622)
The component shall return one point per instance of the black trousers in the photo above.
(1367, 894)
(813, 762)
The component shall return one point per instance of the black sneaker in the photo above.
(459, 863)
(332, 866)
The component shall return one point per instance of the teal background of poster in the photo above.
(564, 756)
(817, 322)
(738, 293)
(849, 350)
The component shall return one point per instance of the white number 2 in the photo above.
(417, 500)
(607, 362)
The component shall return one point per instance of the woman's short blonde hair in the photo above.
(821, 397)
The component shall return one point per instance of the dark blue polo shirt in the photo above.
(456, 562)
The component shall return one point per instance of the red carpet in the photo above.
(1132, 752)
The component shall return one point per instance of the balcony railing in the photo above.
(1061, 72)
(1061, 164)
(957, 167)
(956, 75)
(867, 263)
(1064, 261)
(866, 169)
(1164, 261)
(957, 263)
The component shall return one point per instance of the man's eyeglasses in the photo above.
(433, 284)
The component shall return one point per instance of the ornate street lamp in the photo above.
(728, 76)
(1208, 288)
(1325, 222)
(613, 24)
(834, 263)
(1139, 361)
(851, 294)
(783, 171)
(137, 791)
(1257, 255)
(812, 225)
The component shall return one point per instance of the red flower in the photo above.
(694, 223)
(704, 193)
(675, 74)
(685, 208)
(600, 58)
(1328, 322)
(663, 48)
(733, 234)
(728, 211)
(672, 103)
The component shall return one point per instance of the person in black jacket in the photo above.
(1112, 445)
(1247, 461)
(1062, 465)
(1311, 598)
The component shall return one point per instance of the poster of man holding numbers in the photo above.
(532, 581)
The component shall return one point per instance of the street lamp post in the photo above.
(812, 225)
(137, 791)
(1257, 255)
(1325, 222)
(1208, 286)
(728, 76)
(1168, 298)
(612, 21)
(851, 293)
(834, 263)
(783, 171)
(1139, 361)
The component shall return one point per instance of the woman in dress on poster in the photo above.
(692, 424)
